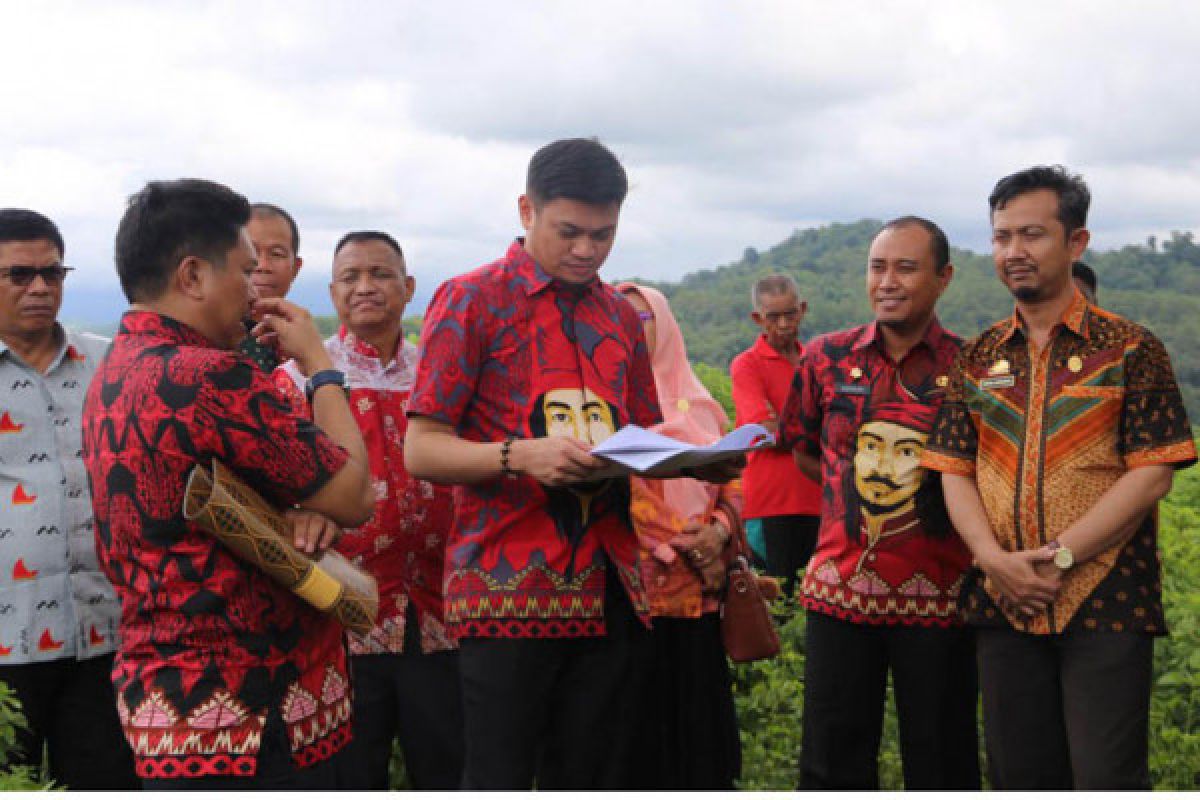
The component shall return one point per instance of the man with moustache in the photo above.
(777, 494)
(881, 588)
(405, 670)
(1061, 429)
(58, 613)
(277, 246)
(225, 679)
(550, 612)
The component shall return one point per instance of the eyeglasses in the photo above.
(646, 316)
(23, 276)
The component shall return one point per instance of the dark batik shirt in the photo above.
(507, 351)
(209, 645)
(885, 553)
(263, 355)
(1045, 434)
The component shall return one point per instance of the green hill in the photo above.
(1156, 284)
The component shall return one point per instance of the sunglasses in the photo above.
(23, 276)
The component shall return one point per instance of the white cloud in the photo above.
(737, 122)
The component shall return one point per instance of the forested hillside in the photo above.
(1156, 283)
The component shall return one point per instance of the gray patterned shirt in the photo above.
(54, 601)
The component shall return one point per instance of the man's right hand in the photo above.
(1022, 584)
(555, 460)
(291, 327)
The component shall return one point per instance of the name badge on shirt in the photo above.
(853, 388)
(998, 382)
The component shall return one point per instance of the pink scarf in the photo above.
(689, 412)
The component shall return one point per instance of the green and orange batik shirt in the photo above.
(1045, 433)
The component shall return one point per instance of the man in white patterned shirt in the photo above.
(58, 613)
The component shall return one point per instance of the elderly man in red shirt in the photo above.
(777, 494)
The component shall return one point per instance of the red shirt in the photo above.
(886, 552)
(772, 484)
(507, 351)
(209, 645)
(404, 544)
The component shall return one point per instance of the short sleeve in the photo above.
(749, 392)
(801, 417)
(244, 421)
(452, 346)
(1154, 422)
(290, 383)
(954, 442)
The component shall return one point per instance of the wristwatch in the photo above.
(323, 377)
(1063, 558)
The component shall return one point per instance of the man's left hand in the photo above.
(312, 533)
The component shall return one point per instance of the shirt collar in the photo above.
(151, 323)
(65, 350)
(763, 348)
(1074, 319)
(870, 335)
(530, 274)
(368, 350)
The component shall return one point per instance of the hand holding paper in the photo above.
(639, 451)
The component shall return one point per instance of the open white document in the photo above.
(647, 453)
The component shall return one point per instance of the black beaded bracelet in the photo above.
(505, 452)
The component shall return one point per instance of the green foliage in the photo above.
(1156, 284)
(12, 721)
(1175, 704)
(719, 385)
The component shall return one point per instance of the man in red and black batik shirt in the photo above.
(881, 587)
(224, 679)
(525, 364)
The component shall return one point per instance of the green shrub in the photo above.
(12, 720)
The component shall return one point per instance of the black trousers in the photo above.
(416, 697)
(845, 685)
(688, 736)
(790, 542)
(72, 711)
(558, 713)
(276, 771)
(1066, 712)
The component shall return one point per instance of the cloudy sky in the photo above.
(738, 122)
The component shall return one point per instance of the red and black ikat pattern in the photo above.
(209, 645)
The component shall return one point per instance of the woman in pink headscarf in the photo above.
(684, 527)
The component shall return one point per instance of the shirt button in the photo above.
(871, 557)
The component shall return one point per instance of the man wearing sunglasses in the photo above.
(58, 613)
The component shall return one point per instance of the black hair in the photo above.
(23, 225)
(357, 237)
(576, 169)
(1074, 198)
(1086, 274)
(168, 221)
(271, 210)
(939, 245)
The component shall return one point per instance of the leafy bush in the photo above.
(12, 720)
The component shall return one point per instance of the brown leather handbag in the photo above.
(747, 630)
